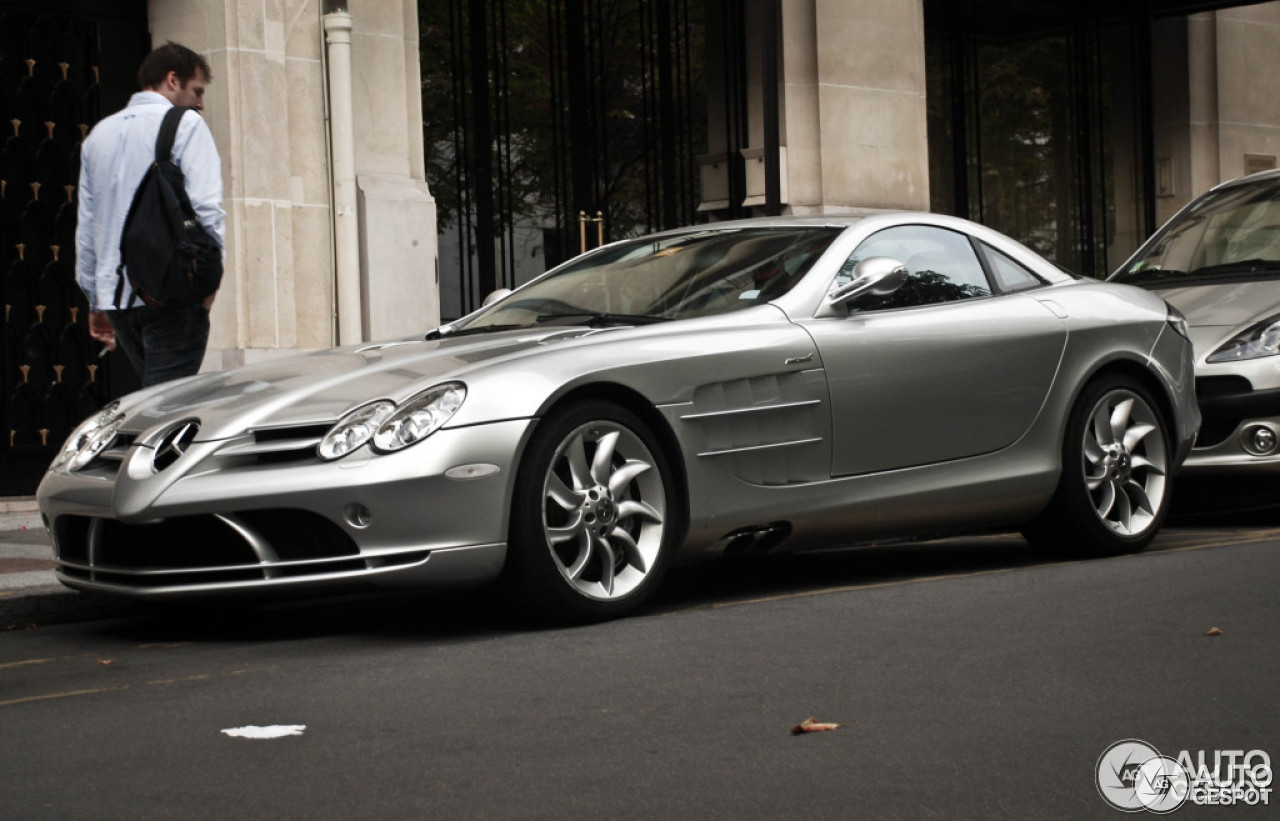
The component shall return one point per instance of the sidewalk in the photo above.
(29, 593)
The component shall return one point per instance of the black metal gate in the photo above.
(551, 125)
(62, 66)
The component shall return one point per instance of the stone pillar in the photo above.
(1216, 80)
(266, 108)
(397, 213)
(852, 108)
(1248, 89)
(1203, 117)
(872, 127)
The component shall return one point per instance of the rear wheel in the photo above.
(594, 518)
(1115, 486)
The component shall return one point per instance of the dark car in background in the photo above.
(1218, 261)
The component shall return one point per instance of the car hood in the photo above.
(318, 388)
(1229, 304)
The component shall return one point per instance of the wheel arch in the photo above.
(640, 405)
(1143, 376)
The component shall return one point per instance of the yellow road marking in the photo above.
(158, 683)
(207, 676)
(9, 665)
(68, 694)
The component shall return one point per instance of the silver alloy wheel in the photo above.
(604, 510)
(1125, 462)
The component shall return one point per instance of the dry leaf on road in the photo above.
(1213, 631)
(812, 725)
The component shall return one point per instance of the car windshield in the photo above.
(654, 279)
(1234, 232)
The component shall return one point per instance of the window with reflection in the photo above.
(941, 266)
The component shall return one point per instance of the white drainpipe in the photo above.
(337, 26)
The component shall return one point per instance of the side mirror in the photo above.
(493, 297)
(877, 276)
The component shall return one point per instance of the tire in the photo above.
(1115, 488)
(595, 516)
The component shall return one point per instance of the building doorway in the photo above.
(1039, 125)
(555, 125)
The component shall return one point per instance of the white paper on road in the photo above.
(274, 731)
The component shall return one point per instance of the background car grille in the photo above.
(1217, 424)
(1208, 387)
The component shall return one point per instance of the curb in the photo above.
(45, 605)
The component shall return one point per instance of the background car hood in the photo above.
(319, 387)
(1231, 304)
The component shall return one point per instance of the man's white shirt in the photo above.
(113, 159)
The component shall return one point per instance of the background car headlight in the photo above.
(89, 439)
(354, 429)
(420, 417)
(1258, 341)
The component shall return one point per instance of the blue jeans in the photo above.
(162, 343)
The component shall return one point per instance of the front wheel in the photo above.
(595, 517)
(1115, 486)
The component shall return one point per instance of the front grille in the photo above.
(274, 446)
(108, 462)
(1210, 387)
(251, 546)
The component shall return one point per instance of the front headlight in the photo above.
(420, 417)
(90, 438)
(1258, 341)
(391, 427)
(354, 429)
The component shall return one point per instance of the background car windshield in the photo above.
(1232, 232)
(676, 277)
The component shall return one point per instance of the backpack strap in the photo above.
(168, 131)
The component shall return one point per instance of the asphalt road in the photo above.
(971, 679)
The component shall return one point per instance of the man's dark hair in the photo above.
(172, 57)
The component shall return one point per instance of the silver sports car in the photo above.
(1218, 260)
(739, 387)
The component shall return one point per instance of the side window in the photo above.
(942, 267)
(1010, 275)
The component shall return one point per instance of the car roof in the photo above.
(1261, 176)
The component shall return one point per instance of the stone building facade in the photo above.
(336, 228)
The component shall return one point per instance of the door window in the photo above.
(941, 265)
(1010, 275)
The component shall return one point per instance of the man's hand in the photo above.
(101, 330)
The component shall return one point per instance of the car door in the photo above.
(942, 369)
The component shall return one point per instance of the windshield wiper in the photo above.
(1150, 275)
(1243, 266)
(600, 319)
(444, 332)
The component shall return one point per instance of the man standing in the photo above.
(167, 342)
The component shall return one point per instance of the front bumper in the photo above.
(224, 520)
(1233, 413)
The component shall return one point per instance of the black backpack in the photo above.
(167, 254)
